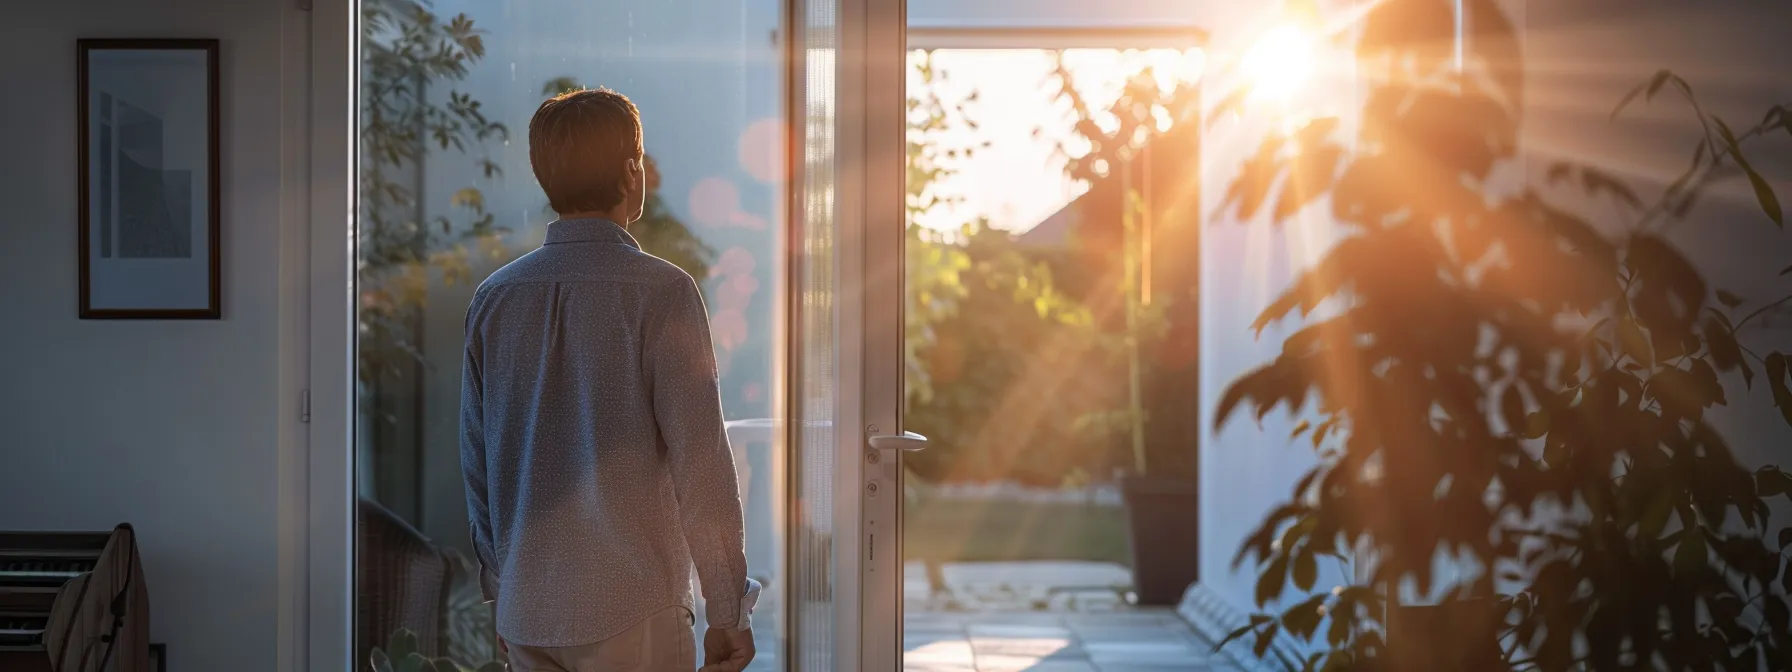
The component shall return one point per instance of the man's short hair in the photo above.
(579, 145)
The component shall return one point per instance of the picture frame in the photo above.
(150, 211)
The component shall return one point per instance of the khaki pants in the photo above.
(662, 643)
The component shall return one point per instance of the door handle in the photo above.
(907, 442)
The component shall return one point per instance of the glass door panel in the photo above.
(446, 196)
(815, 387)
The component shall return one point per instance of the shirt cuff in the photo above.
(747, 602)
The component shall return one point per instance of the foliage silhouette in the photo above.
(405, 50)
(1510, 405)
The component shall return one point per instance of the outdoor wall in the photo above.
(1247, 467)
(1737, 78)
(180, 428)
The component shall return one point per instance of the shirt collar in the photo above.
(589, 231)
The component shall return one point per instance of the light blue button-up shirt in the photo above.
(597, 468)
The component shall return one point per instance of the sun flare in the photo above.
(1280, 63)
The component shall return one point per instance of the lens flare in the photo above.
(1280, 63)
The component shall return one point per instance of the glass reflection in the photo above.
(447, 196)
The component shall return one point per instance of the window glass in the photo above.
(447, 196)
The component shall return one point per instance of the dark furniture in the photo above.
(401, 582)
(73, 602)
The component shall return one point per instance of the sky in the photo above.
(1019, 180)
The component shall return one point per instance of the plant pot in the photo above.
(1166, 537)
(1454, 635)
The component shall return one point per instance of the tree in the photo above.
(1498, 383)
(406, 49)
(1149, 309)
(992, 345)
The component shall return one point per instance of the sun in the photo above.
(1279, 64)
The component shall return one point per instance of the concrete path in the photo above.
(1034, 617)
(1120, 641)
(1044, 617)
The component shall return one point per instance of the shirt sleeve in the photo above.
(687, 406)
(472, 462)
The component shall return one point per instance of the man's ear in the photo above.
(634, 181)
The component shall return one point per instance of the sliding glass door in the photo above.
(845, 379)
(445, 196)
(773, 131)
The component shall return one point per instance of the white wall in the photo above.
(180, 428)
(1736, 77)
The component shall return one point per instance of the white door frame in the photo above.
(329, 540)
(872, 141)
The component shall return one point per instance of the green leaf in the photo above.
(1302, 619)
(1770, 204)
(1234, 634)
(1306, 570)
(1265, 638)
(1339, 631)
(1256, 620)
(1729, 136)
(1720, 338)
(1770, 481)
(1647, 90)
(1324, 428)
(1776, 381)
(403, 644)
(1269, 583)
(1690, 557)
(1728, 298)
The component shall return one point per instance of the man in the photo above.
(597, 467)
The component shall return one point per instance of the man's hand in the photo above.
(727, 650)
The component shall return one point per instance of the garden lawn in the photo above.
(961, 530)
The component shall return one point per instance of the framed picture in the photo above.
(158, 658)
(149, 179)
